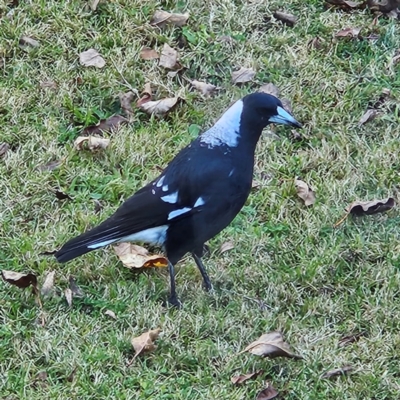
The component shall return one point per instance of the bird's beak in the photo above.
(283, 117)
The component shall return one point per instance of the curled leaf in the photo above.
(133, 256)
(239, 379)
(91, 58)
(288, 19)
(146, 95)
(105, 125)
(207, 89)
(48, 284)
(268, 393)
(243, 75)
(370, 207)
(93, 143)
(349, 32)
(159, 107)
(304, 192)
(270, 345)
(20, 280)
(145, 342)
(148, 54)
(110, 314)
(161, 18)
(337, 372)
(226, 247)
(368, 116)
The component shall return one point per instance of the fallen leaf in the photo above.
(288, 19)
(349, 32)
(226, 39)
(226, 247)
(48, 284)
(161, 18)
(384, 6)
(145, 342)
(126, 103)
(50, 166)
(337, 372)
(315, 43)
(20, 280)
(239, 379)
(148, 54)
(243, 75)
(71, 376)
(76, 291)
(368, 116)
(304, 192)
(68, 296)
(61, 195)
(94, 4)
(146, 95)
(346, 4)
(4, 147)
(111, 314)
(105, 125)
(270, 88)
(40, 379)
(26, 41)
(91, 58)
(346, 340)
(268, 393)
(270, 345)
(48, 85)
(134, 256)
(159, 107)
(169, 58)
(370, 207)
(207, 89)
(287, 105)
(93, 143)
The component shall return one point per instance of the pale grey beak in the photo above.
(283, 117)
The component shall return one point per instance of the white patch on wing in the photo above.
(101, 244)
(170, 198)
(160, 181)
(199, 202)
(231, 173)
(165, 188)
(154, 235)
(226, 129)
(153, 191)
(175, 213)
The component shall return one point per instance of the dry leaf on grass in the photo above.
(50, 166)
(40, 380)
(315, 43)
(169, 58)
(270, 88)
(368, 116)
(48, 85)
(134, 256)
(161, 18)
(287, 105)
(243, 75)
(91, 58)
(4, 147)
(346, 340)
(146, 95)
(126, 100)
(384, 6)
(68, 296)
(71, 376)
(26, 41)
(271, 345)
(159, 107)
(93, 143)
(226, 247)
(20, 280)
(268, 393)
(288, 19)
(337, 372)
(349, 32)
(304, 192)
(148, 54)
(94, 4)
(346, 4)
(207, 89)
(48, 285)
(110, 314)
(105, 125)
(75, 289)
(61, 195)
(239, 379)
(145, 342)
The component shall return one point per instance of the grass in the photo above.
(289, 270)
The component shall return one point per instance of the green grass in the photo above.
(289, 270)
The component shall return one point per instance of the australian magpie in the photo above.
(197, 195)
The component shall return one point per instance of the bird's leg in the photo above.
(206, 279)
(173, 298)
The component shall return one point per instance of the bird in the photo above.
(197, 195)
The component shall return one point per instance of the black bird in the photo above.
(197, 195)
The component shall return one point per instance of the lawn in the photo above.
(290, 270)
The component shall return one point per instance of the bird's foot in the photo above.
(174, 301)
(207, 286)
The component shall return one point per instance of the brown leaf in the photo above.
(337, 372)
(48, 284)
(169, 58)
(345, 4)
(207, 89)
(91, 58)
(239, 379)
(4, 147)
(40, 379)
(105, 125)
(270, 88)
(304, 192)
(48, 85)
(148, 54)
(161, 18)
(315, 43)
(111, 314)
(145, 342)
(370, 207)
(68, 296)
(75, 289)
(368, 116)
(384, 6)
(26, 41)
(243, 75)
(20, 280)
(146, 95)
(159, 107)
(50, 166)
(346, 340)
(61, 195)
(226, 247)
(349, 32)
(270, 345)
(93, 143)
(133, 256)
(268, 393)
(126, 103)
(94, 4)
(288, 19)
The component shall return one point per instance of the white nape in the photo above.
(160, 181)
(226, 129)
(175, 213)
(199, 202)
(170, 198)
(154, 235)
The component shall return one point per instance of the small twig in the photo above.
(340, 222)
